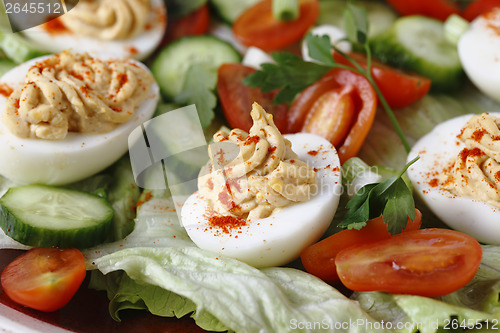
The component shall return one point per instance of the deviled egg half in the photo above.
(129, 28)
(68, 116)
(458, 174)
(479, 50)
(276, 197)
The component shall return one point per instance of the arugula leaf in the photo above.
(391, 198)
(198, 88)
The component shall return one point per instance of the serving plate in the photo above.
(86, 312)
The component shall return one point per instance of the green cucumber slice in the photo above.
(17, 48)
(46, 216)
(180, 8)
(229, 10)
(171, 65)
(417, 43)
(380, 15)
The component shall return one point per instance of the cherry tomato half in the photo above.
(237, 98)
(44, 279)
(399, 88)
(426, 262)
(258, 27)
(319, 258)
(438, 9)
(194, 23)
(478, 7)
(361, 102)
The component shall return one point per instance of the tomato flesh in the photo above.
(364, 101)
(194, 23)
(44, 279)
(237, 98)
(319, 258)
(333, 109)
(258, 27)
(426, 262)
(438, 9)
(400, 89)
(479, 7)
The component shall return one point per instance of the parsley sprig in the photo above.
(291, 74)
(392, 199)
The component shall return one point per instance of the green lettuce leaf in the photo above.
(242, 298)
(483, 292)
(156, 225)
(126, 294)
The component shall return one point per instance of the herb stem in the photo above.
(383, 101)
(367, 73)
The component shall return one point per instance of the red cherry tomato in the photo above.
(438, 9)
(237, 98)
(350, 89)
(399, 88)
(319, 258)
(44, 279)
(426, 262)
(195, 23)
(478, 7)
(258, 27)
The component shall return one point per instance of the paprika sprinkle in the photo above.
(226, 223)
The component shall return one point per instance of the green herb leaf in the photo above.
(392, 199)
(198, 89)
(356, 23)
(399, 207)
(320, 49)
(290, 74)
(359, 208)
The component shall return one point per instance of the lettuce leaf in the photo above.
(126, 294)
(483, 292)
(156, 226)
(242, 298)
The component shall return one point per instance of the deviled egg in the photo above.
(479, 50)
(275, 198)
(129, 28)
(458, 174)
(66, 117)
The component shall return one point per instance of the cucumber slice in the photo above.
(17, 48)
(229, 10)
(380, 16)
(417, 43)
(46, 216)
(180, 8)
(6, 65)
(171, 65)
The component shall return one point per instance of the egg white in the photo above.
(78, 156)
(437, 150)
(138, 47)
(278, 239)
(336, 36)
(479, 52)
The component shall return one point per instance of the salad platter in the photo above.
(251, 166)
